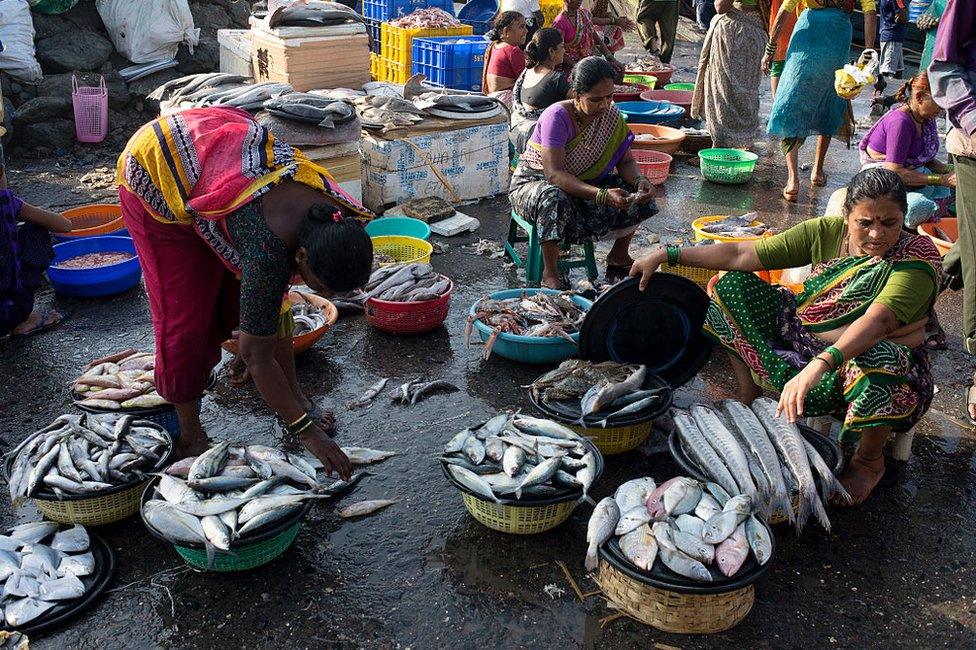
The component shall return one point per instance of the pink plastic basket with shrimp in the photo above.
(90, 104)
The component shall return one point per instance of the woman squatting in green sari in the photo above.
(852, 344)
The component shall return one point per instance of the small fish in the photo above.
(67, 587)
(210, 462)
(71, 540)
(366, 456)
(635, 407)
(365, 508)
(690, 524)
(732, 552)
(472, 481)
(693, 546)
(474, 449)
(634, 493)
(640, 547)
(631, 520)
(684, 565)
(682, 497)
(494, 448)
(367, 397)
(456, 444)
(655, 501)
(759, 542)
(513, 459)
(601, 526)
(539, 474)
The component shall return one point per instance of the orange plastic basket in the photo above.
(95, 219)
(302, 342)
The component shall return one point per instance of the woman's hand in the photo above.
(645, 191)
(326, 450)
(767, 63)
(625, 23)
(949, 180)
(620, 199)
(796, 390)
(646, 266)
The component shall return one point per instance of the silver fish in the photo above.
(829, 485)
(367, 397)
(494, 448)
(587, 475)
(720, 526)
(631, 520)
(474, 449)
(698, 448)
(513, 459)
(726, 446)
(732, 552)
(472, 481)
(683, 565)
(364, 508)
(759, 541)
(456, 444)
(693, 546)
(601, 526)
(210, 462)
(217, 531)
(77, 565)
(24, 610)
(539, 474)
(541, 427)
(71, 540)
(635, 407)
(682, 496)
(366, 456)
(67, 587)
(718, 493)
(691, 524)
(220, 483)
(34, 532)
(640, 547)
(267, 517)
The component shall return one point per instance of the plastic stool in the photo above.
(533, 259)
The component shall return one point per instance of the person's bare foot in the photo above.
(191, 444)
(237, 373)
(971, 399)
(748, 394)
(860, 478)
(818, 178)
(791, 192)
(551, 281)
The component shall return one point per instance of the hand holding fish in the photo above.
(647, 265)
(796, 390)
(620, 199)
(645, 191)
(326, 450)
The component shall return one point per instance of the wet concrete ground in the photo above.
(896, 572)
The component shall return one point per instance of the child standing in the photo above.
(893, 16)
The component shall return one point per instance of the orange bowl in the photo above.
(680, 97)
(948, 226)
(302, 342)
(94, 219)
(668, 139)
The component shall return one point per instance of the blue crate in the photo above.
(383, 10)
(478, 27)
(450, 61)
(373, 27)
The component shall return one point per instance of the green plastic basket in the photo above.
(727, 166)
(647, 79)
(680, 86)
(245, 557)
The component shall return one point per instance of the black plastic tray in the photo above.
(662, 577)
(564, 493)
(660, 327)
(95, 585)
(44, 494)
(265, 532)
(568, 411)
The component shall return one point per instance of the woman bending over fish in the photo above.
(853, 342)
(577, 179)
(223, 216)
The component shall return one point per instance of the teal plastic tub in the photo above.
(398, 227)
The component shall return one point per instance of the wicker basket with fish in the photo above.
(610, 403)
(519, 474)
(682, 556)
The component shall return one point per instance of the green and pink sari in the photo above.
(774, 333)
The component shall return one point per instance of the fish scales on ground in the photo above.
(200, 503)
(649, 526)
(41, 565)
(540, 314)
(516, 456)
(127, 382)
(83, 455)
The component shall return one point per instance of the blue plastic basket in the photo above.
(376, 39)
(98, 282)
(383, 10)
(403, 226)
(651, 112)
(451, 61)
(478, 27)
(530, 349)
(478, 14)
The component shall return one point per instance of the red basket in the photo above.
(408, 317)
(656, 165)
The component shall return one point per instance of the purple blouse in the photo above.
(896, 136)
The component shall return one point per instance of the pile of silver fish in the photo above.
(311, 13)
(411, 391)
(416, 282)
(228, 492)
(41, 566)
(307, 317)
(689, 525)
(736, 227)
(310, 109)
(219, 89)
(426, 18)
(85, 454)
(520, 455)
(119, 381)
(539, 314)
(647, 63)
(751, 451)
(606, 388)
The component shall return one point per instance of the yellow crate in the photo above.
(393, 72)
(374, 67)
(551, 9)
(96, 511)
(397, 42)
(405, 250)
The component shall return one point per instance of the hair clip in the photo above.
(337, 216)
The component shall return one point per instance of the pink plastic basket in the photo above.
(91, 110)
(656, 165)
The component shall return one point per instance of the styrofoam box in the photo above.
(235, 51)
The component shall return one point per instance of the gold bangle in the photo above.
(300, 418)
(305, 426)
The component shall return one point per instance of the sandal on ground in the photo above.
(936, 341)
(48, 319)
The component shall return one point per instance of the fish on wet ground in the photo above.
(364, 508)
(412, 391)
(366, 399)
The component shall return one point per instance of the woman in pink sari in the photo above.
(582, 37)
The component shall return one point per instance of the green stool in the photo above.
(533, 259)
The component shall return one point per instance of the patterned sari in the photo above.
(25, 253)
(774, 333)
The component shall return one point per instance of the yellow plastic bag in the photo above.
(850, 80)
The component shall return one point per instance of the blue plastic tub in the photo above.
(451, 61)
(530, 349)
(384, 10)
(99, 282)
(398, 226)
(478, 14)
(651, 112)
(63, 237)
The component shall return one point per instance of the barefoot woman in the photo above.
(222, 216)
(852, 343)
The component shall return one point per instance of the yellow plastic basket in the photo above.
(701, 277)
(405, 250)
(397, 42)
(96, 511)
(518, 520)
(374, 67)
(701, 235)
(616, 440)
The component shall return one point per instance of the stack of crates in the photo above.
(397, 51)
(451, 61)
(550, 9)
(392, 44)
(373, 28)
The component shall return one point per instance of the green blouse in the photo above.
(909, 293)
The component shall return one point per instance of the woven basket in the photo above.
(518, 520)
(779, 517)
(670, 611)
(615, 440)
(97, 511)
(701, 277)
(245, 557)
